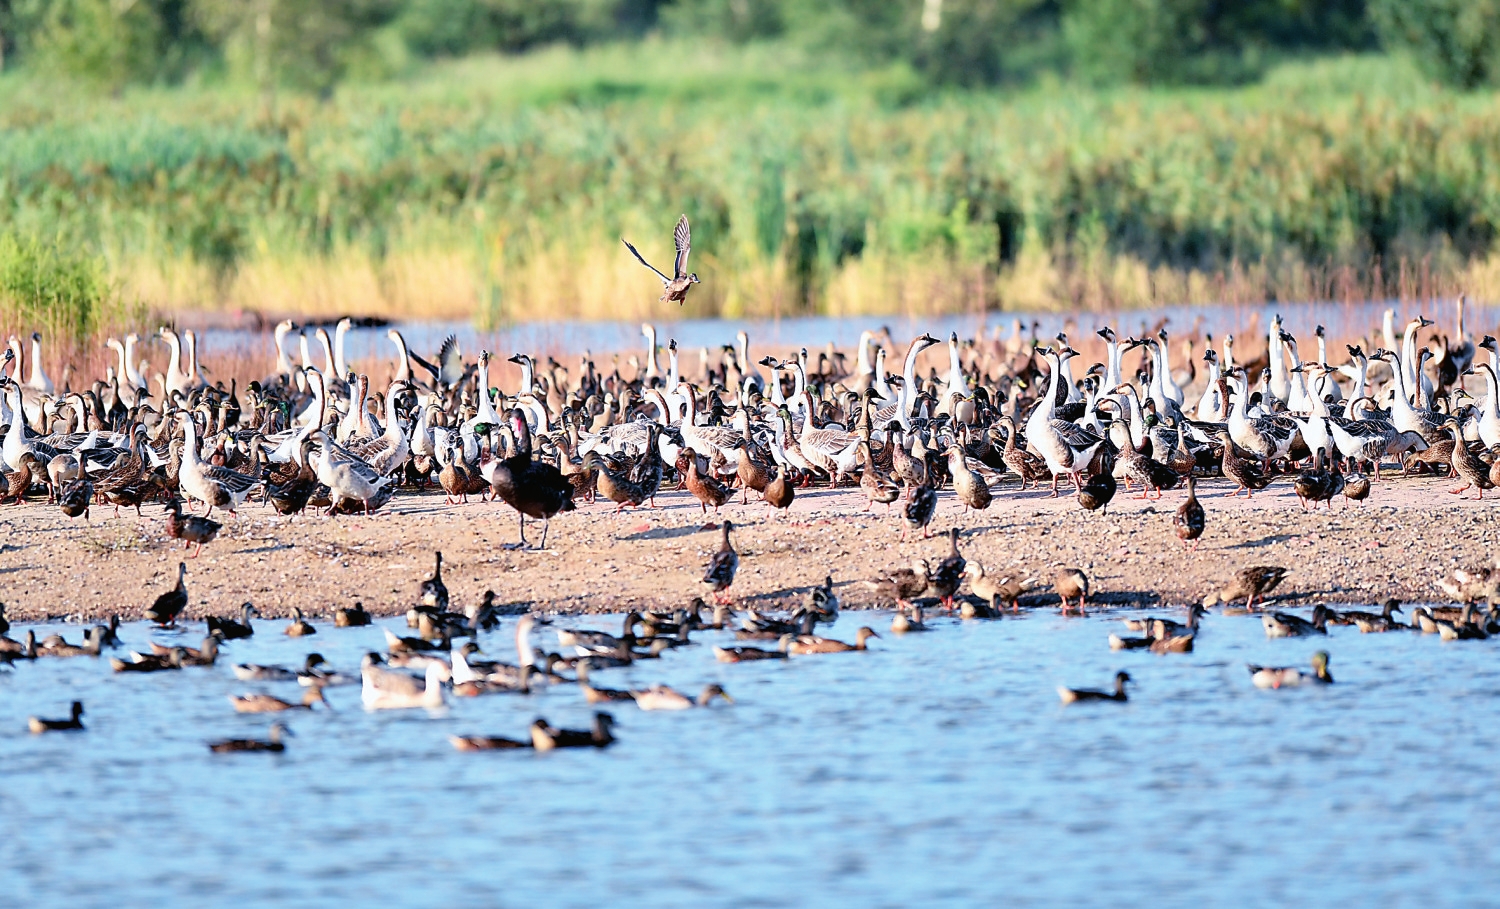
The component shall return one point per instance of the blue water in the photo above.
(937, 769)
(568, 339)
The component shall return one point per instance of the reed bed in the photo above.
(499, 189)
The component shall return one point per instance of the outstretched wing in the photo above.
(682, 237)
(450, 361)
(637, 253)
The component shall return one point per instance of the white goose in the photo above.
(346, 476)
(383, 689)
(38, 380)
(208, 483)
(1267, 437)
(1065, 447)
(835, 451)
(900, 411)
(706, 440)
(486, 412)
(1211, 406)
(176, 380)
(389, 452)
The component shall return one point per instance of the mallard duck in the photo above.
(876, 485)
(661, 697)
(748, 654)
(265, 703)
(704, 487)
(275, 745)
(1462, 629)
(968, 484)
(1473, 585)
(1291, 677)
(1370, 623)
(351, 617)
(948, 575)
(534, 489)
(990, 588)
(903, 584)
(55, 646)
(167, 607)
(254, 672)
(25, 649)
(1030, 468)
(587, 641)
(433, 593)
(1070, 584)
(545, 736)
(1318, 484)
(675, 288)
(1253, 582)
(1467, 466)
(298, 627)
(805, 644)
(229, 629)
(901, 622)
(191, 529)
(822, 602)
(18, 482)
(74, 723)
(76, 494)
(486, 743)
(782, 490)
(722, 565)
(1356, 487)
(1247, 475)
(1096, 492)
(207, 653)
(1190, 518)
(920, 507)
(1077, 695)
(1286, 625)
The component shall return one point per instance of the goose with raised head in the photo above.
(348, 478)
(1065, 447)
(215, 486)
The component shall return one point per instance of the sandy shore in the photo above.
(1398, 543)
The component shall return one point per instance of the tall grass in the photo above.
(500, 188)
(62, 292)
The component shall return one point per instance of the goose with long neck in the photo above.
(1264, 437)
(284, 367)
(485, 412)
(1361, 375)
(388, 452)
(38, 380)
(799, 383)
(1324, 386)
(354, 424)
(403, 357)
(900, 411)
(133, 364)
(1461, 349)
(1413, 379)
(957, 383)
(190, 352)
(1066, 383)
(127, 393)
(754, 381)
(1065, 447)
(1211, 405)
(1299, 399)
(1281, 385)
(1405, 417)
(16, 445)
(878, 377)
(773, 385)
(706, 440)
(214, 486)
(1136, 418)
(829, 448)
(653, 371)
(864, 366)
(1489, 408)
(1169, 387)
(176, 380)
(1228, 354)
(340, 356)
(1112, 358)
(1388, 329)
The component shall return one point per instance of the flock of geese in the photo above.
(315, 433)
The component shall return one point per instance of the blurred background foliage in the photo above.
(447, 157)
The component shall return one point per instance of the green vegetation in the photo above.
(833, 155)
(64, 294)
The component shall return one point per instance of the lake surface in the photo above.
(937, 769)
(567, 339)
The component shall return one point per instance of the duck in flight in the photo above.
(676, 287)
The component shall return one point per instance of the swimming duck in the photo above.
(1070, 584)
(169, 606)
(946, 578)
(1286, 625)
(265, 703)
(722, 565)
(1291, 677)
(1190, 519)
(191, 529)
(254, 672)
(662, 697)
(1463, 629)
(55, 646)
(749, 654)
(1252, 582)
(275, 745)
(901, 623)
(588, 641)
(806, 644)
(314, 674)
(74, 723)
(351, 617)
(1077, 695)
(140, 662)
(486, 743)
(298, 627)
(229, 629)
(1370, 623)
(207, 653)
(25, 649)
(545, 737)
(387, 690)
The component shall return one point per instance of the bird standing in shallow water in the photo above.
(170, 605)
(675, 288)
(1071, 584)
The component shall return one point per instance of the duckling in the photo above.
(917, 513)
(805, 644)
(265, 703)
(169, 606)
(1190, 519)
(946, 578)
(486, 742)
(545, 737)
(1079, 695)
(1286, 625)
(73, 724)
(229, 629)
(433, 593)
(1070, 584)
(274, 746)
(719, 575)
(1252, 582)
(191, 529)
(993, 587)
(1291, 677)
(298, 628)
(351, 617)
(661, 697)
(901, 623)
(749, 654)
